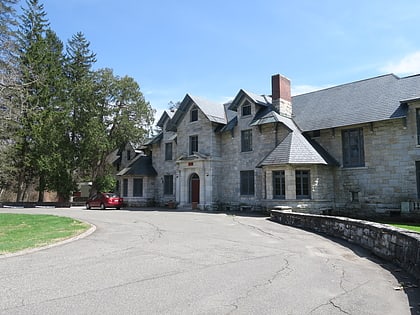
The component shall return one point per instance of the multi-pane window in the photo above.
(279, 183)
(168, 185)
(138, 187)
(418, 125)
(303, 184)
(246, 109)
(247, 183)
(125, 187)
(193, 144)
(194, 114)
(246, 140)
(353, 148)
(168, 151)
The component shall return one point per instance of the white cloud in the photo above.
(410, 64)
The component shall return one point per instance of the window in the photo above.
(128, 155)
(168, 151)
(418, 125)
(168, 185)
(194, 114)
(353, 152)
(193, 144)
(246, 140)
(279, 190)
(302, 184)
(138, 187)
(247, 183)
(125, 187)
(246, 109)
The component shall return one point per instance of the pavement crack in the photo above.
(251, 290)
(234, 218)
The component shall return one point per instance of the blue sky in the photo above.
(214, 48)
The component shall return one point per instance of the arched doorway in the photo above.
(195, 188)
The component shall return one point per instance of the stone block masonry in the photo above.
(395, 245)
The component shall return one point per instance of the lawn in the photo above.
(23, 231)
(412, 227)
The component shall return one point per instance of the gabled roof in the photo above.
(155, 139)
(267, 115)
(165, 116)
(262, 100)
(365, 101)
(141, 165)
(213, 111)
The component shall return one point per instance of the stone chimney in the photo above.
(281, 95)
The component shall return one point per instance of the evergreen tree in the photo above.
(79, 62)
(44, 112)
(9, 87)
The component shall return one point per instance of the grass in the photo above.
(412, 227)
(23, 231)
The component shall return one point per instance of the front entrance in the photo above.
(195, 188)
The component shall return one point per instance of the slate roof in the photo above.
(214, 112)
(364, 101)
(262, 100)
(155, 139)
(166, 115)
(141, 165)
(294, 149)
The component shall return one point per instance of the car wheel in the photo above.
(118, 208)
(102, 206)
(87, 206)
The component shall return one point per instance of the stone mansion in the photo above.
(352, 147)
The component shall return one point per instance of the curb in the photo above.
(59, 243)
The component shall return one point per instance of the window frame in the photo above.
(168, 151)
(193, 144)
(138, 186)
(125, 187)
(168, 184)
(353, 147)
(246, 109)
(303, 184)
(279, 184)
(194, 114)
(246, 140)
(247, 183)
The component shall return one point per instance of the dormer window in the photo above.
(246, 109)
(194, 114)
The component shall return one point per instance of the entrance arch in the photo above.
(194, 188)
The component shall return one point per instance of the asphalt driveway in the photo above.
(161, 262)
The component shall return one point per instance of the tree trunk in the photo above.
(41, 189)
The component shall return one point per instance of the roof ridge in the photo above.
(354, 82)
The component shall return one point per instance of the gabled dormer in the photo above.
(193, 109)
(247, 104)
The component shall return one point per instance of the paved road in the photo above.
(158, 262)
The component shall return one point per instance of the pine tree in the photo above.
(9, 88)
(42, 125)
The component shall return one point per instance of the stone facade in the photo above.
(254, 136)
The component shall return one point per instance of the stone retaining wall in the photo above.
(398, 246)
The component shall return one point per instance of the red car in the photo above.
(105, 200)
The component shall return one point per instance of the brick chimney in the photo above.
(281, 95)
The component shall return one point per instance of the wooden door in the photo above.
(195, 188)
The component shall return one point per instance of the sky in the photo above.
(214, 48)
